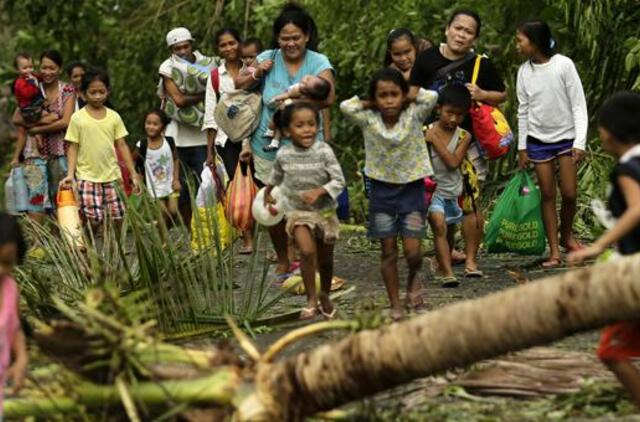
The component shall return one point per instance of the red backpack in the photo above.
(490, 128)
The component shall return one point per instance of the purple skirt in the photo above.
(541, 152)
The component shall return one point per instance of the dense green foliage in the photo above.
(127, 37)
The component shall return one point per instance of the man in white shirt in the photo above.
(191, 142)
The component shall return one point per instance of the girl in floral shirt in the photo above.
(396, 161)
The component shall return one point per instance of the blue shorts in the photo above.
(383, 225)
(542, 152)
(449, 207)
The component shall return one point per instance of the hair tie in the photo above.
(391, 32)
(552, 43)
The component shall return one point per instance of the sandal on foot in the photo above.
(449, 282)
(551, 263)
(329, 316)
(308, 314)
(469, 273)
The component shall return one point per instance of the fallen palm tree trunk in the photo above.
(371, 361)
(460, 334)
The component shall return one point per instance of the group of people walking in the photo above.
(423, 162)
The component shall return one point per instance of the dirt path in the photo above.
(357, 261)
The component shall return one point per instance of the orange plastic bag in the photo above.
(240, 195)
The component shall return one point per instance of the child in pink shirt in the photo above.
(13, 347)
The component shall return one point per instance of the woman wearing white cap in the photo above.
(191, 142)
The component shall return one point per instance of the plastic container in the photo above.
(270, 215)
(69, 217)
(20, 191)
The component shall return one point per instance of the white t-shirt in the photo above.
(551, 103)
(158, 165)
(185, 135)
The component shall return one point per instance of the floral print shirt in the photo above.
(54, 144)
(398, 154)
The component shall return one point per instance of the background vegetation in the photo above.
(127, 38)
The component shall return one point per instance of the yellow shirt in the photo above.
(97, 160)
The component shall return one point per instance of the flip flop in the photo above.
(329, 316)
(449, 282)
(551, 263)
(308, 314)
(469, 273)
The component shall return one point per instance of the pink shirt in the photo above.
(9, 325)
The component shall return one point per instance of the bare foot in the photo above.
(282, 268)
(571, 244)
(552, 263)
(457, 257)
(397, 314)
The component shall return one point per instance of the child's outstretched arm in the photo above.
(627, 223)
(122, 146)
(454, 159)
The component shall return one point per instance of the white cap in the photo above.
(178, 35)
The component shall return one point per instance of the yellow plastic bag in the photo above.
(205, 224)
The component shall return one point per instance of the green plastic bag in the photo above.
(516, 224)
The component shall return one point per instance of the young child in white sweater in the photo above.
(552, 123)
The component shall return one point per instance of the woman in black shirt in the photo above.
(453, 62)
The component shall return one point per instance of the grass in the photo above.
(185, 290)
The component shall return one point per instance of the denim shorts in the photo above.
(449, 207)
(383, 225)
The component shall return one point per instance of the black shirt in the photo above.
(630, 244)
(429, 61)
